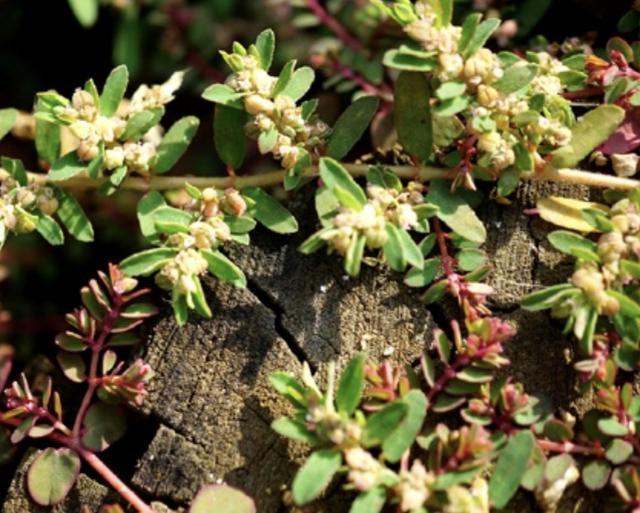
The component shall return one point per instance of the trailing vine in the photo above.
(454, 433)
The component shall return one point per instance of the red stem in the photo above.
(383, 92)
(98, 465)
(334, 25)
(589, 92)
(114, 481)
(447, 260)
(568, 447)
(96, 348)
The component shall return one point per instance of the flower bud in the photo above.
(487, 96)
(256, 104)
(114, 157)
(83, 102)
(48, 205)
(82, 129)
(625, 165)
(25, 197)
(87, 150)
(234, 202)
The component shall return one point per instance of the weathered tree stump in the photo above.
(211, 399)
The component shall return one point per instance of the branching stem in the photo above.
(334, 25)
(96, 463)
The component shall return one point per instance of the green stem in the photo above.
(164, 183)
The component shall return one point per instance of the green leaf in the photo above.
(335, 176)
(419, 278)
(351, 386)
(568, 242)
(224, 95)
(480, 36)
(47, 138)
(267, 140)
(393, 251)
(452, 106)
(456, 212)
(469, 28)
(140, 123)
(300, 82)
(223, 268)
(470, 259)
(515, 78)
(229, 135)
(371, 501)
(619, 451)
(180, 308)
(270, 213)
(595, 474)
(384, 177)
(628, 307)
(396, 60)
(405, 434)
(15, 167)
(412, 115)
(67, 167)
(7, 120)
(147, 262)
(266, 45)
(50, 230)
(315, 475)
(510, 468)
(444, 11)
(284, 78)
(569, 213)
(175, 143)
(73, 366)
(450, 89)
(222, 499)
(383, 423)
(127, 39)
(52, 475)
(290, 428)
(611, 427)
(355, 253)
(104, 424)
(85, 11)
(546, 298)
(114, 90)
(172, 220)
(73, 217)
(351, 126)
(410, 250)
(595, 127)
(147, 207)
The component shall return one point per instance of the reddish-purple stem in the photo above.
(334, 25)
(383, 92)
(96, 348)
(98, 465)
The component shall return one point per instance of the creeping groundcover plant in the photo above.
(454, 433)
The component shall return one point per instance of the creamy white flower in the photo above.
(625, 165)
(114, 157)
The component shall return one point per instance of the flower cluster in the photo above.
(207, 231)
(383, 206)
(510, 106)
(107, 136)
(20, 205)
(281, 127)
(190, 237)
